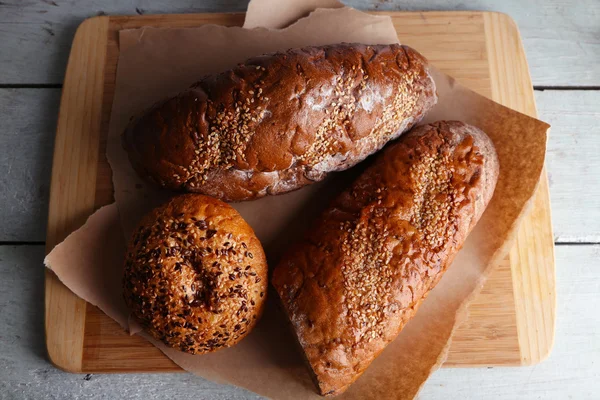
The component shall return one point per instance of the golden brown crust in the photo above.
(195, 274)
(359, 275)
(281, 121)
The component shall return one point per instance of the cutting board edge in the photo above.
(64, 318)
(74, 365)
(536, 335)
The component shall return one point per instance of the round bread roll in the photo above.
(195, 274)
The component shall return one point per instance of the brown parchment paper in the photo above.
(90, 262)
(277, 14)
(155, 63)
(150, 68)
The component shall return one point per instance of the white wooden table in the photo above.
(562, 42)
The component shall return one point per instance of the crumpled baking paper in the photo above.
(155, 63)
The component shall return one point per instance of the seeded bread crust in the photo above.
(281, 121)
(195, 274)
(360, 274)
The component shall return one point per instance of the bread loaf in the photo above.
(360, 274)
(281, 121)
(195, 274)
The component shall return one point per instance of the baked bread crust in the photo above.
(360, 274)
(195, 274)
(281, 121)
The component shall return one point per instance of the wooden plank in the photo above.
(482, 340)
(73, 188)
(37, 35)
(103, 338)
(573, 160)
(534, 287)
(561, 39)
(29, 119)
(30, 124)
(461, 54)
(571, 371)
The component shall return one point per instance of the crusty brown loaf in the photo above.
(195, 274)
(359, 275)
(281, 121)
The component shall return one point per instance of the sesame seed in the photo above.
(178, 281)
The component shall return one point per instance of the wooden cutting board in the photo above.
(511, 322)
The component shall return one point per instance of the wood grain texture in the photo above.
(37, 34)
(456, 46)
(535, 293)
(489, 336)
(561, 38)
(73, 188)
(108, 348)
(484, 339)
(531, 261)
(571, 371)
(532, 255)
(27, 136)
(465, 54)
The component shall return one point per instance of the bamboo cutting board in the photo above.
(511, 322)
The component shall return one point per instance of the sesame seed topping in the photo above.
(229, 132)
(185, 293)
(432, 211)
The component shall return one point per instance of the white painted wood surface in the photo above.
(573, 160)
(26, 142)
(562, 42)
(572, 371)
(561, 38)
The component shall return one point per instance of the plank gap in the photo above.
(31, 85)
(22, 243)
(576, 243)
(542, 88)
